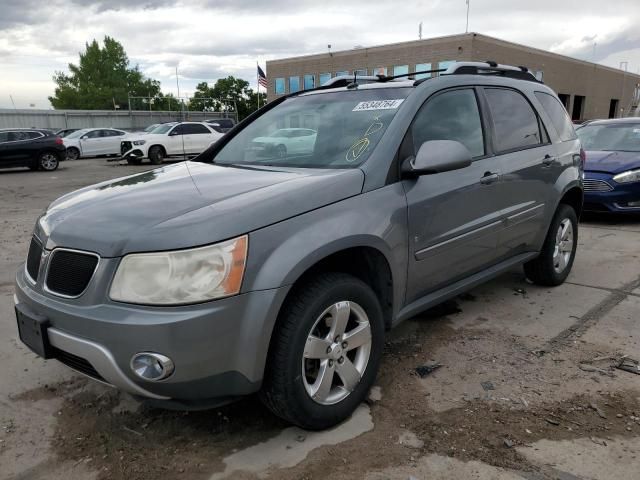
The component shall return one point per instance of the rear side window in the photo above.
(515, 123)
(558, 114)
(452, 115)
(195, 128)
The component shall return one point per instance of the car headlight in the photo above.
(139, 142)
(628, 176)
(182, 276)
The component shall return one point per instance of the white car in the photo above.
(169, 140)
(285, 141)
(89, 142)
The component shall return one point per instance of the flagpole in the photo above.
(467, 29)
(258, 80)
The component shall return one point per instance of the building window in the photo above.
(564, 99)
(400, 69)
(342, 73)
(279, 86)
(361, 72)
(421, 67)
(380, 71)
(445, 64)
(578, 107)
(294, 84)
(324, 78)
(309, 81)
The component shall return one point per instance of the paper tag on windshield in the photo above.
(378, 105)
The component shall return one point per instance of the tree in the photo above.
(227, 94)
(102, 78)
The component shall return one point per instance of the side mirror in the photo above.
(84, 137)
(437, 156)
(173, 133)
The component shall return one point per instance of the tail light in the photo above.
(59, 141)
(583, 158)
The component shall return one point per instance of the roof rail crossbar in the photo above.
(491, 68)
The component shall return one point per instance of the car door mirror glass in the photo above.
(435, 156)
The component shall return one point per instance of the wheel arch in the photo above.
(573, 196)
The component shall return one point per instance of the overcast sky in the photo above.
(209, 39)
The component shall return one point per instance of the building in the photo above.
(588, 90)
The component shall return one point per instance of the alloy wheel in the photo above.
(563, 246)
(336, 353)
(48, 161)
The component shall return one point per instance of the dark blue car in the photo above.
(612, 168)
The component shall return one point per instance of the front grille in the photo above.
(69, 272)
(593, 185)
(33, 259)
(125, 147)
(77, 363)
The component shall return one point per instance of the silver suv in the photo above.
(278, 270)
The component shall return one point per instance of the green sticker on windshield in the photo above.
(378, 105)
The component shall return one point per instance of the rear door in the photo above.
(454, 217)
(111, 141)
(527, 159)
(199, 137)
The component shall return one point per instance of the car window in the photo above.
(93, 134)
(622, 137)
(178, 130)
(4, 137)
(558, 115)
(76, 134)
(451, 115)
(195, 128)
(114, 133)
(349, 123)
(160, 129)
(514, 120)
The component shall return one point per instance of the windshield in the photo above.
(164, 128)
(326, 130)
(76, 134)
(623, 137)
(150, 128)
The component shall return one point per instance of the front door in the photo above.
(454, 217)
(91, 143)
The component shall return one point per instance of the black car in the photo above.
(222, 125)
(66, 131)
(38, 149)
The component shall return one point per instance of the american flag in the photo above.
(262, 78)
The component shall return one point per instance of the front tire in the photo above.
(48, 161)
(156, 155)
(554, 263)
(325, 351)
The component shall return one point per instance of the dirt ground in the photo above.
(526, 384)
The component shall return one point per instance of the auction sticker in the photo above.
(378, 105)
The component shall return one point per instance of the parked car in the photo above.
(285, 141)
(222, 125)
(91, 142)
(38, 149)
(196, 283)
(169, 140)
(612, 169)
(64, 132)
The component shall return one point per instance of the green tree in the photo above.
(227, 94)
(102, 77)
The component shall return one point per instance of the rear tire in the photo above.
(554, 263)
(156, 155)
(73, 153)
(327, 312)
(48, 161)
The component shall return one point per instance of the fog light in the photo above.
(633, 204)
(151, 366)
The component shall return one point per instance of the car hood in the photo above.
(611, 162)
(187, 204)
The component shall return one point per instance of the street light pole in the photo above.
(466, 30)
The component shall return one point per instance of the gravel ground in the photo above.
(526, 388)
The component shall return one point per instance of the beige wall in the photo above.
(598, 84)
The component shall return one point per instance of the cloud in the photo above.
(210, 39)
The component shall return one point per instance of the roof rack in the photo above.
(490, 67)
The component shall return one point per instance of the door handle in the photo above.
(548, 160)
(489, 177)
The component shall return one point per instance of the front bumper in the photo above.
(219, 348)
(616, 200)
